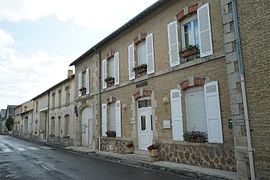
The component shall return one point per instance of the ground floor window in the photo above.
(52, 126)
(67, 124)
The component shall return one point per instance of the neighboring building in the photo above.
(40, 116)
(17, 120)
(26, 122)
(148, 96)
(2, 118)
(254, 22)
(10, 112)
(62, 126)
(87, 100)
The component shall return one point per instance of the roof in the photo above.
(58, 84)
(131, 22)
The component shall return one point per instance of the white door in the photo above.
(145, 127)
(195, 105)
(86, 127)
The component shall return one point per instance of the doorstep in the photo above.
(81, 149)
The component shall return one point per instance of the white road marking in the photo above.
(44, 147)
(20, 149)
(32, 148)
(7, 150)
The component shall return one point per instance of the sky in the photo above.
(40, 38)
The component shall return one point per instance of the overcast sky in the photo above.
(40, 38)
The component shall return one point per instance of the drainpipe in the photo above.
(243, 88)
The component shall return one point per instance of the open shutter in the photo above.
(173, 43)
(116, 68)
(79, 84)
(87, 81)
(177, 116)
(213, 112)
(131, 62)
(150, 54)
(118, 118)
(104, 119)
(205, 34)
(104, 73)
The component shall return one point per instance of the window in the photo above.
(143, 123)
(59, 98)
(141, 53)
(83, 82)
(202, 112)
(52, 126)
(194, 34)
(141, 56)
(144, 103)
(67, 95)
(67, 124)
(110, 71)
(36, 106)
(190, 33)
(59, 126)
(114, 118)
(53, 100)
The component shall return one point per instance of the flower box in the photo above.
(140, 70)
(195, 136)
(83, 90)
(111, 134)
(109, 81)
(189, 51)
(153, 150)
(130, 148)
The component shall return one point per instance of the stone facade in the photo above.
(197, 154)
(116, 145)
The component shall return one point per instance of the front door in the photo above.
(145, 127)
(86, 127)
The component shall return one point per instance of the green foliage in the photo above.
(9, 123)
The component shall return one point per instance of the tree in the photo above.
(9, 123)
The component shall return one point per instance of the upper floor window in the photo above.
(59, 98)
(67, 95)
(141, 56)
(83, 84)
(110, 70)
(53, 100)
(194, 34)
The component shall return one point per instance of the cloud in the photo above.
(92, 14)
(23, 76)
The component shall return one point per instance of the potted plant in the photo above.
(130, 148)
(111, 133)
(195, 136)
(189, 51)
(52, 135)
(140, 69)
(153, 150)
(66, 136)
(109, 80)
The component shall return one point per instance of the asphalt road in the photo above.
(20, 159)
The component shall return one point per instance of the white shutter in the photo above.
(116, 68)
(118, 118)
(104, 73)
(104, 119)
(213, 112)
(173, 43)
(131, 62)
(150, 54)
(79, 84)
(87, 81)
(205, 34)
(177, 116)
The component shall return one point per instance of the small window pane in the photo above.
(143, 123)
(141, 52)
(151, 123)
(111, 67)
(144, 103)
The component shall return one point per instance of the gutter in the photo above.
(243, 88)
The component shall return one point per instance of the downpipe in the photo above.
(243, 89)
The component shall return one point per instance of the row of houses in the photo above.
(188, 76)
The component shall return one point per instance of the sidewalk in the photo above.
(147, 162)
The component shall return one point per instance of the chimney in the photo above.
(70, 73)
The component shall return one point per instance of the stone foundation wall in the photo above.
(115, 145)
(61, 141)
(199, 154)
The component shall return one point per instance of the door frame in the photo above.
(89, 127)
